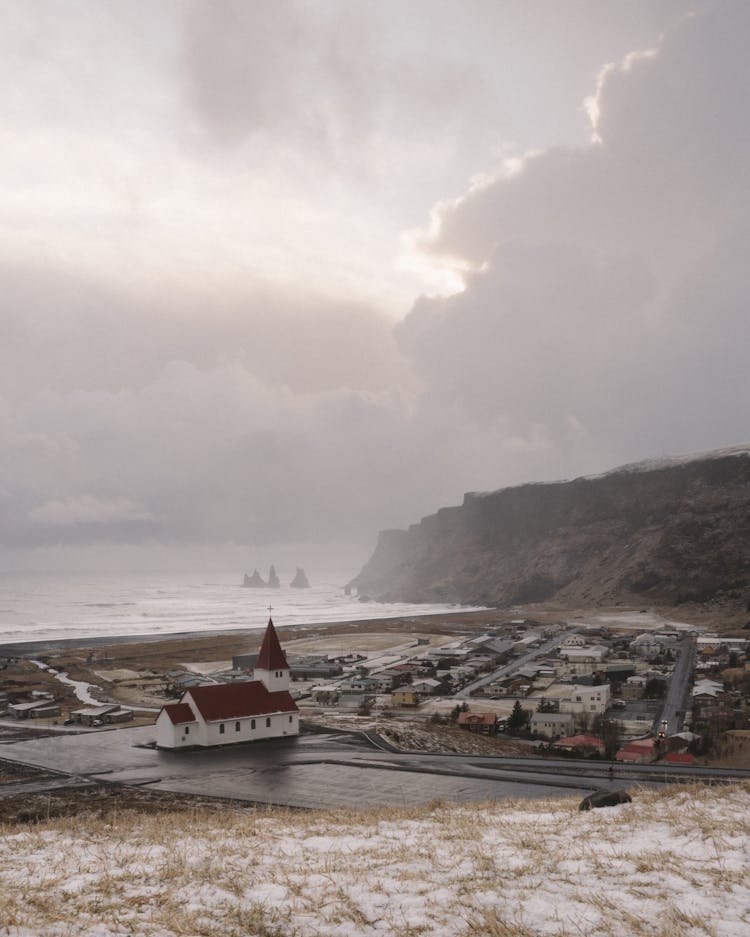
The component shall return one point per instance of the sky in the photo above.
(275, 276)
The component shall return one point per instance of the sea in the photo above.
(42, 607)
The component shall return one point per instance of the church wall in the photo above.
(250, 729)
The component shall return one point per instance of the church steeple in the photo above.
(271, 667)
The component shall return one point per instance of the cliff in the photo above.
(660, 533)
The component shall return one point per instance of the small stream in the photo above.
(80, 687)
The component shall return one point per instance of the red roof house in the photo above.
(478, 722)
(679, 758)
(583, 743)
(638, 752)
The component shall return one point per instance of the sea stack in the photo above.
(300, 580)
(255, 581)
(273, 579)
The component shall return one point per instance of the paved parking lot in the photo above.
(327, 769)
(316, 770)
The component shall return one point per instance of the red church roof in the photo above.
(179, 713)
(271, 657)
(235, 700)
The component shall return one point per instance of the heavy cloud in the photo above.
(607, 313)
(603, 317)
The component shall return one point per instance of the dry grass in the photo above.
(671, 863)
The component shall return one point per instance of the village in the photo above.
(576, 689)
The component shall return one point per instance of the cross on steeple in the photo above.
(270, 609)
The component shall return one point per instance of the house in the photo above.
(326, 695)
(356, 702)
(244, 662)
(360, 685)
(575, 640)
(679, 758)
(485, 723)
(551, 725)
(38, 709)
(390, 679)
(313, 668)
(586, 744)
(580, 661)
(704, 689)
(586, 699)
(647, 645)
(737, 741)
(638, 752)
(426, 686)
(98, 715)
(404, 696)
(223, 714)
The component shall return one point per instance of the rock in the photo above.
(604, 799)
(254, 581)
(273, 579)
(300, 580)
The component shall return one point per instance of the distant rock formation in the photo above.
(300, 580)
(254, 582)
(670, 532)
(273, 579)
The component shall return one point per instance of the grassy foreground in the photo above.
(672, 864)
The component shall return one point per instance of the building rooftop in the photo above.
(235, 700)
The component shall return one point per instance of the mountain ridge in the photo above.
(666, 531)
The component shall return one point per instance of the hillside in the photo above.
(670, 863)
(662, 533)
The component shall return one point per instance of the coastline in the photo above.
(42, 647)
(245, 639)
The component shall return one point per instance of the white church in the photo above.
(261, 708)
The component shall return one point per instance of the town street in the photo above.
(514, 665)
(675, 700)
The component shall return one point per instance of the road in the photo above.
(513, 666)
(329, 770)
(676, 697)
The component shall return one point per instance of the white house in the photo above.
(581, 661)
(552, 725)
(222, 714)
(586, 699)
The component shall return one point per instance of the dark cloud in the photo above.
(607, 311)
(603, 319)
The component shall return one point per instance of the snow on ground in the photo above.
(642, 621)
(363, 641)
(80, 687)
(671, 863)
